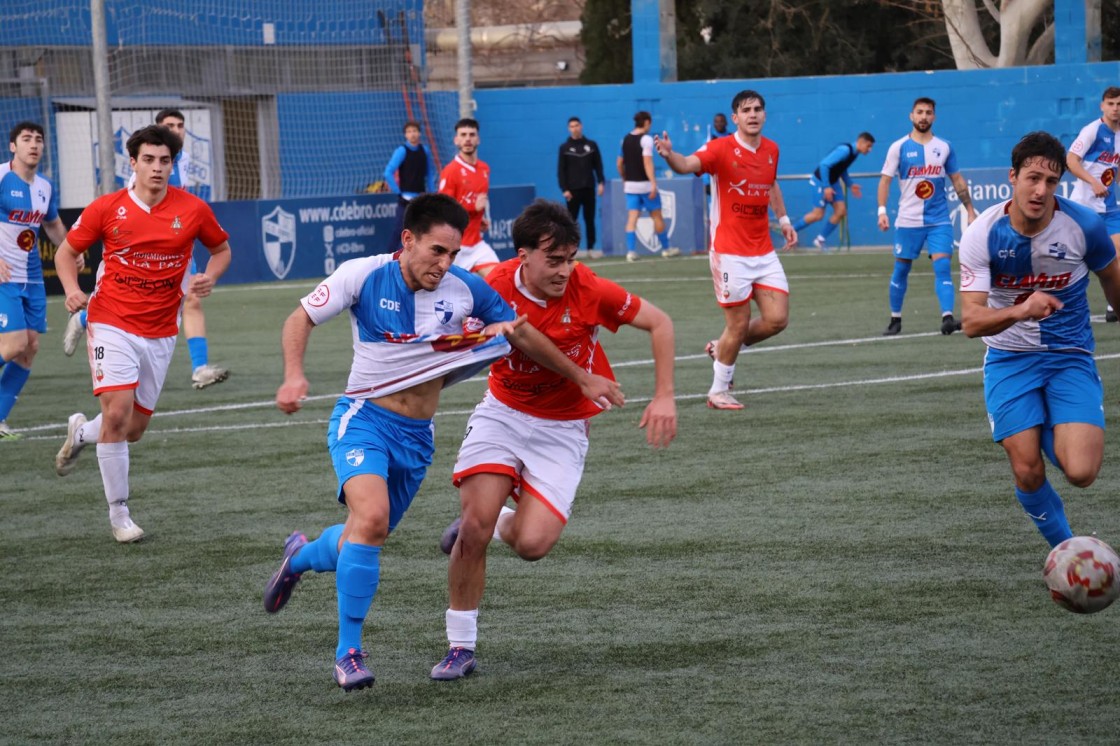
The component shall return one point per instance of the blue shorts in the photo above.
(1026, 389)
(816, 190)
(364, 438)
(938, 239)
(23, 305)
(1111, 221)
(643, 202)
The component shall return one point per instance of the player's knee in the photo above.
(839, 209)
(1029, 474)
(368, 527)
(1081, 473)
(475, 532)
(532, 548)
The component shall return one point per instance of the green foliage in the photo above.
(606, 39)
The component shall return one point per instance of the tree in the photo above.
(605, 33)
(1026, 32)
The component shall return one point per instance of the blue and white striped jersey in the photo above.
(23, 208)
(1099, 149)
(1008, 266)
(404, 338)
(921, 171)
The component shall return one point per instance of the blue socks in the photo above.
(320, 555)
(663, 238)
(631, 240)
(200, 354)
(11, 383)
(899, 281)
(800, 225)
(1044, 507)
(943, 284)
(828, 228)
(359, 570)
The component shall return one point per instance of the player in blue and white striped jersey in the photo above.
(921, 161)
(1025, 268)
(27, 202)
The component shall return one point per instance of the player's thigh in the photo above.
(1014, 392)
(1080, 450)
(908, 243)
(14, 320)
(839, 207)
(1075, 409)
(773, 305)
(367, 499)
(13, 344)
(554, 453)
(1024, 453)
(816, 196)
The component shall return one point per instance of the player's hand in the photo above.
(200, 285)
(971, 217)
(829, 194)
(291, 394)
(1099, 189)
(660, 421)
(653, 192)
(600, 189)
(567, 195)
(1039, 305)
(481, 202)
(504, 327)
(663, 145)
(76, 301)
(5, 271)
(602, 390)
(856, 190)
(884, 222)
(790, 236)
(484, 225)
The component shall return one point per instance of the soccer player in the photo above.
(1025, 268)
(920, 161)
(411, 171)
(27, 202)
(719, 127)
(639, 183)
(528, 437)
(745, 267)
(410, 313)
(1094, 158)
(203, 374)
(467, 180)
(824, 185)
(148, 233)
(579, 169)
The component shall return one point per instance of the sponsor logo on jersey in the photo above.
(278, 230)
(25, 217)
(924, 189)
(26, 240)
(1058, 250)
(1108, 176)
(916, 171)
(1041, 281)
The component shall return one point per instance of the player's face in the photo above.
(27, 149)
(466, 140)
(864, 146)
(1110, 111)
(749, 117)
(922, 117)
(547, 269)
(575, 130)
(152, 165)
(1034, 187)
(720, 123)
(412, 135)
(426, 258)
(176, 125)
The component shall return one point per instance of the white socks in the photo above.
(113, 460)
(721, 378)
(87, 433)
(502, 518)
(462, 628)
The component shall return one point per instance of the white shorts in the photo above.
(543, 457)
(474, 258)
(737, 277)
(119, 360)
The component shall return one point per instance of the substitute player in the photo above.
(408, 312)
(921, 161)
(1094, 158)
(148, 233)
(1025, 268)
(467, 180)
(744, 170)
(528, 438)
(27, 202)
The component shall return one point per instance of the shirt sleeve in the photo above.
(976, 268)
(1084, 140)
(210, 232)
(391, 167)
(951, 162)
(1099, 251)
(430, 177)
(86, 231)
(489, 307)
(617, 305)
(52, 205)
(647, 146)
(707, 157)
(597, 162)
(890, 163)
(838, 154)
(445, 187)
(340, 291)
(560, 169)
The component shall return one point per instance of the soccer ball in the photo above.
(1083, 574)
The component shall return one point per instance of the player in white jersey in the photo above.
(1025, 268)
(1094, 158)
(412, 315)
(921, 161)
(27, 202)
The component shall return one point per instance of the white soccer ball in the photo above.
(1083, 574)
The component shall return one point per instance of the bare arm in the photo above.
(536, 345)
(977, 320)
(681, 164)
(293, 342)
(621, 173)
(660, 416)
(203, 282)
(961, 187)
(778, 204)
(883, 193)
(1077, 167)
(66, 265)
(1109, 278)
(55, 231)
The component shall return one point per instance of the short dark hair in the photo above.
(410, 123)
(1039, 144)
(165, 113)
(924, 100)
(426, 211)
(25, 127)
(866, 136)
(153, 134)
(641, 118)
(1111, 92)
(573, 119)
(746, 95)
(543, 220)
(467, 122)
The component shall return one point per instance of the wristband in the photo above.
(882, 210)
(783, 220)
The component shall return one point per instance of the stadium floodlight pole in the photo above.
(105, 151)
(466, 85)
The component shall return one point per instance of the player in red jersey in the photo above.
(744, 171)
(148, 233)
(467, 179)
(528, 437)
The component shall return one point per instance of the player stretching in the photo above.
(824, 186)
(1094, 158)
(1024, 273)
(920, 161)
(408, 312)
(148, 233)
(467, 180)
(203, 374)
(528, 437)
(744, 266)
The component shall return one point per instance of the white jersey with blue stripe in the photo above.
(1099, 149)
(403, 338)
(921, 171)
(1008, 266)
(23, 208)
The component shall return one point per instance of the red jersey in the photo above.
(741, 181)
(572, 323)
(466, 183)
(146, 254)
